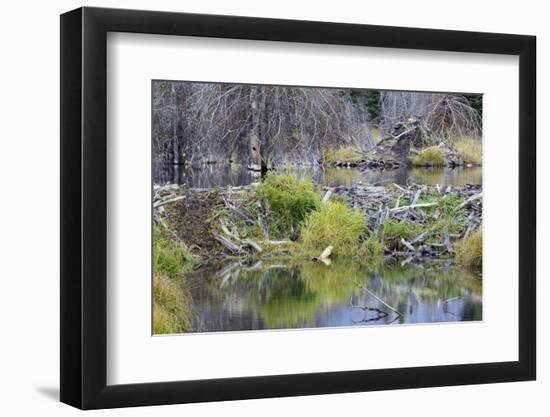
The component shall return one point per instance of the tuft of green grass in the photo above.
(172, 309)
(393, 230)
(172, 303)
(345, 154)
(336, 225)
(448, 205)
(429, 157)
(469, 149)
(470, 251)
(371, 250)
(170, 257)
(290, 201)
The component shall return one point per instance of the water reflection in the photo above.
(308, 294)
(221, 175)
(402, 176)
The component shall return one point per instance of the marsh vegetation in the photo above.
(280, 207)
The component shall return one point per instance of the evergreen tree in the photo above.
(373, 105)
(476, 102)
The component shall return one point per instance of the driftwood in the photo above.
(161, 203)
(421, 237)
(326, 253)
(408, 245)
(398, 187)
(414, 206)
(325, 256)
(229, 240)
(471, 200)
(416, 197)
(327, 196)
(253, 245)
(397, 201)
(277, 242)
(227, 243)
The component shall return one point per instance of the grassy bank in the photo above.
(429, 157)
(172, 304)
(470, 251)
(345, 154)
(469, 149)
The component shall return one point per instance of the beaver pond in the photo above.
(290, 294)
(279, 207)
(238, 294)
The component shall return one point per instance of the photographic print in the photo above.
(287, 207)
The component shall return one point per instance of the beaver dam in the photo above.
(358, 254)
(293, 207)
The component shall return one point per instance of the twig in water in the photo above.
(382, 301)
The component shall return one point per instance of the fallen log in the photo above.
(324, 257)
(416, 197)
(326, 253)
(161, 203)
(253, 245)
(408, 245)
(413, 206)
(277, 242)
(327, 196)
(471, 200)
(227, 243)
(242, 242)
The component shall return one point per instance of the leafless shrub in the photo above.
(443, 115)
(212, 122)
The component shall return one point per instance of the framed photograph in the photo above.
(257, 208)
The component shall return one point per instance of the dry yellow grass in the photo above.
(345, 154)
(429, 157)
(469, 149)
(376, 133)
(470, 251)
(171, 305)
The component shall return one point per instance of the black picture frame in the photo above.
(84, 207)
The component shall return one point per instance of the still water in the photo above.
(307, 294)
(221, 175)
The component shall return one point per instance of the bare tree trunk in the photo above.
(175, 121)
(264, 156)
(255, 156)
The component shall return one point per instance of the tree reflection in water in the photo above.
(307, 294)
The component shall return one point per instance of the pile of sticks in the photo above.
(382, 203)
